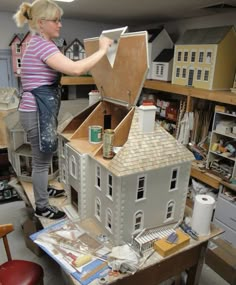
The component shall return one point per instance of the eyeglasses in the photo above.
(56, 21)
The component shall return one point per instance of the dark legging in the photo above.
(40, 161)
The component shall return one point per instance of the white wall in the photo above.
(71, 29)
(177, 28)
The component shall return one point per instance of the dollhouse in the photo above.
(144, 185)
(202, 56)
(18, 45)
(19, 151)
(75, 50)
(162, 65)
(158, 40)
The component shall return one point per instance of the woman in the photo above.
(39, 106)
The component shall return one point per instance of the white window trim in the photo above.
(18, 61)
(201, 51)
(187, 56)
(174, 179)
(211, 51)
(178, 67)
(134, 221)
(98, 176)
(109, 215)
(177, 55)
(144, 188)
(108, 186)
(186, 70)
(73, 160)
(197, 74)
(98, 201)
(193, 51)
(161, 67)
(172, 212)
(19, 47)
(206, 69)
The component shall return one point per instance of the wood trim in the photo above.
(205, 177)
(77, 80)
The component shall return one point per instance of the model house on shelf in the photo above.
(144, 184)
(75, 50)
(18, 45)
(162, 65)
(8, 103)
(19, 150)
(158, 40)
(205, 58)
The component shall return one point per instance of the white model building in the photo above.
(145, 184)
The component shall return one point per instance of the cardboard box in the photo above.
(32, 226)
(221, 257)
(164, 248)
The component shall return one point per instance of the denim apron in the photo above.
(48, 100)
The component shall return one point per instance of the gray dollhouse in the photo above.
(19, 151)
(144, 185)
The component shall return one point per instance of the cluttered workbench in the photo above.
(152, 268)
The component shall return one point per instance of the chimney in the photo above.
(147, 114)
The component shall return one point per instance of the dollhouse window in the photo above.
(109, 220)
(18, 63)
(179, 56)
(177, 72)
(141, 187)
(208, 57)
(73, 166)
(98, 209)
(63, 174)
(174, 179)
(199, 74)
(193, 56)
(184, 72)
(18, 49)
(186, 56)
(170, 210)
(98, 177)
(109, 186)
(206, 75)
(63, 149)
(160, 70)
(201, 55)
(138, 221)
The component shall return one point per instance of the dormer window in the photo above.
(18, 48)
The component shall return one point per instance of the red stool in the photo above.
(18, 272)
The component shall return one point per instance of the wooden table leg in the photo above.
(194, 272)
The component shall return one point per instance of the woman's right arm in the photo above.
(67, 66)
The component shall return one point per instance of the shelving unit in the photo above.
(217, 156)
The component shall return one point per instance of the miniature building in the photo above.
(16, 49)
(144, 185)
(75, 50)
(203, 55)
(158, 40)
(19, 151)
(8, 103)
(162, 65)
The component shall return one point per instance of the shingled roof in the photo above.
(204, 36)
(143, 152)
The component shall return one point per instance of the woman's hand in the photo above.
(105, 43)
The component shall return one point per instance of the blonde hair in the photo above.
(31, 13)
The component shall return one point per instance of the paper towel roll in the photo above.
(202, 213)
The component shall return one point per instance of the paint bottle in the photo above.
(108, 138)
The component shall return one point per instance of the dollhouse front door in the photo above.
(190, 77)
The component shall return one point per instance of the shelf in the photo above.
(230, 135)
(77, 80)
(226, 97)
(206, 177)
(222, 155)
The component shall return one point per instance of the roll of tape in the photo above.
(102, 281)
